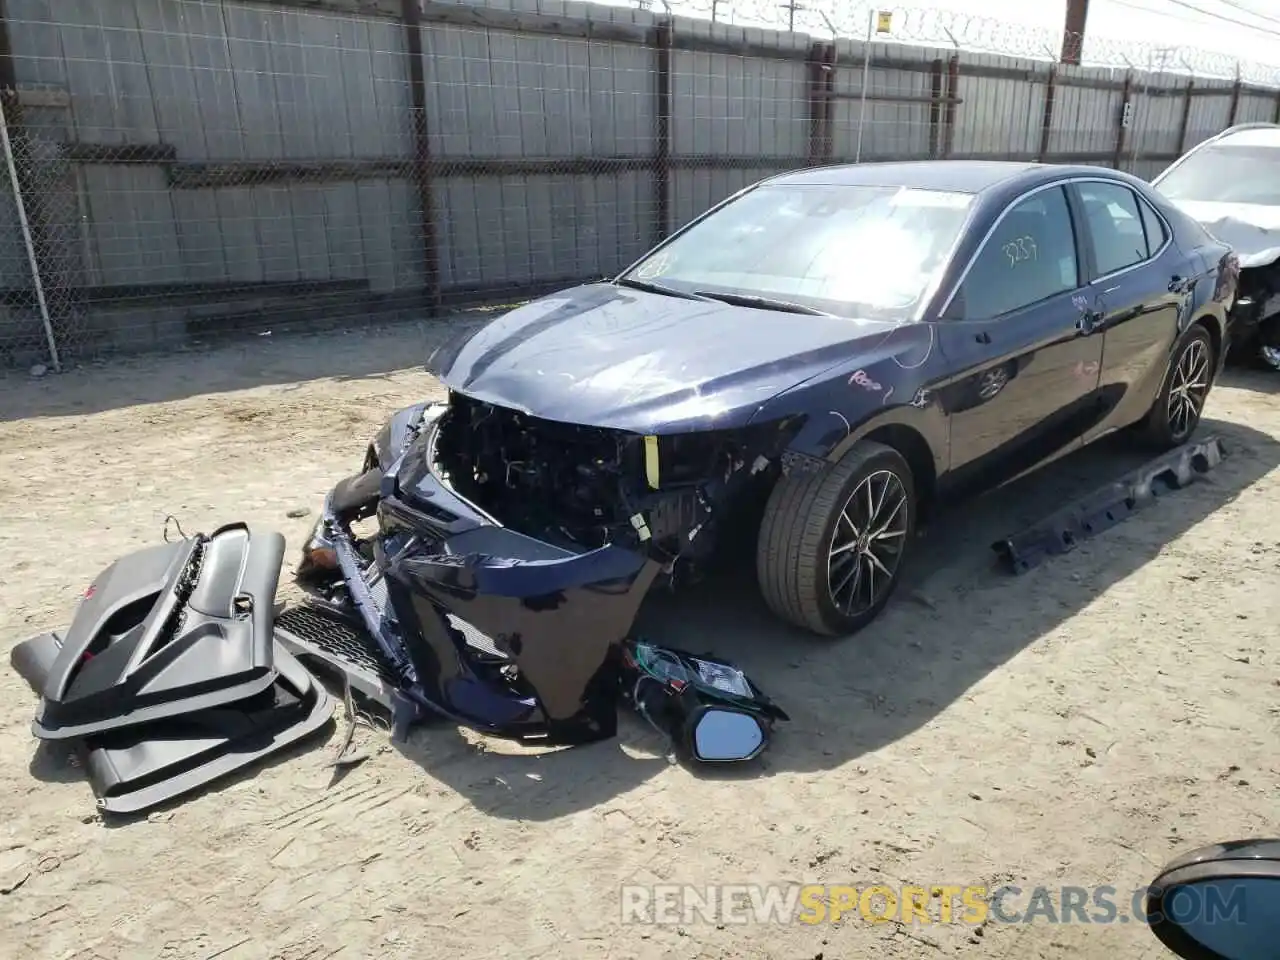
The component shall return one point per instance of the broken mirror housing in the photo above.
(708, 709)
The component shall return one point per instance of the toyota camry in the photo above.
(843, 346)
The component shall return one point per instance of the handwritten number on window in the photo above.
(1021, 249)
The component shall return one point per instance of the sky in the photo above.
(1205, 37)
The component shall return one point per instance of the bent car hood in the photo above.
(610, 356)
(1251, 230)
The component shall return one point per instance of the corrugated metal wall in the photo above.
(540, 153)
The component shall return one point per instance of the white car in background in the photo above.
(1230, 184)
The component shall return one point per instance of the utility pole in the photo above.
(791, 6)
(1073, 31)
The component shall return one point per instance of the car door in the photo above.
(1018, 339)
(1139, 284)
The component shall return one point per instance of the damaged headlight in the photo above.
(319, 555)
(398, 432)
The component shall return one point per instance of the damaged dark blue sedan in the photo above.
(841, 346)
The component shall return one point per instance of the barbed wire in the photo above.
(974, 33)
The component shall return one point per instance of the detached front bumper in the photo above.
(468, 618)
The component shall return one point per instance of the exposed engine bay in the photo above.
(586, 487)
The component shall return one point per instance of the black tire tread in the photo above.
(791, 534)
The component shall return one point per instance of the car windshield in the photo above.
(854, 251)
(1226, 173)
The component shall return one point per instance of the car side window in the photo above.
(1030, 257)
(1115, 226)
(1154, 227)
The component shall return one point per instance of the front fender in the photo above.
(858, 398)
(926, 421)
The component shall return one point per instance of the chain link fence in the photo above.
(177, 171)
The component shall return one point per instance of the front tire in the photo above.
(832, 544)
(1187, 381)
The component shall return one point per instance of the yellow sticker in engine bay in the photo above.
(651, 461)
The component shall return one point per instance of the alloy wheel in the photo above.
(1188, 388)
(867, 543)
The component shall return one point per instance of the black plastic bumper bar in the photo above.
(1107, 506)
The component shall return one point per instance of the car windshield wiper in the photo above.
(764, 303)
(658, 288)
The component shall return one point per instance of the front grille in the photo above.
(337, 639)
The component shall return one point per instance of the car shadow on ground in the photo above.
(848, 697)
(1259, 381)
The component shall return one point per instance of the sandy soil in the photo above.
(1080, 725)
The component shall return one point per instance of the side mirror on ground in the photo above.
(719, 735)
(1220, 902)
(707, 708)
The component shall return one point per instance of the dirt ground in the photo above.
(1080, 725)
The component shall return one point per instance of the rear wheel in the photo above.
(832, 544)
(1180, 403)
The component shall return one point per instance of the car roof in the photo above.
(1250, 135)
(959, 176)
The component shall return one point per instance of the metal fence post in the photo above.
(1235, 98)
(935, 107)
(1124, 119)
(866, 82)
(1046, 118)
(1185, 124)
(26, 238)
(949, 108)
(34, 223)
(830, 58)
(662, 38)
(820, 102)
(411, 16)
